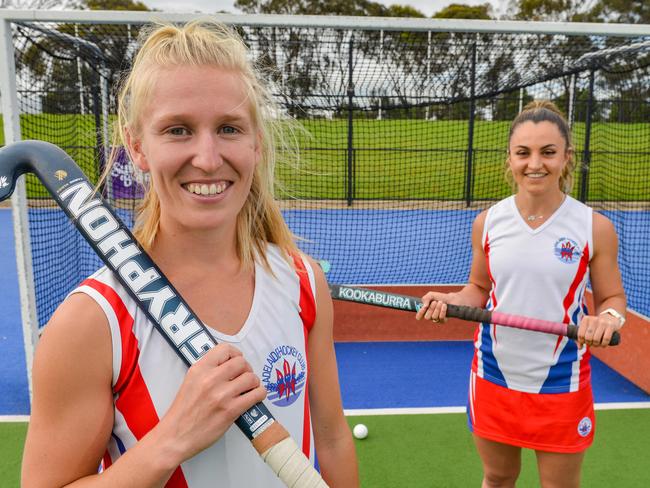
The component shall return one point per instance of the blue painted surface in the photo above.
(388, 246)
(60, 248)
(373, 375)
(632, 228)
(434, 246)
(362, 246)
(435, 374)
(14, 393)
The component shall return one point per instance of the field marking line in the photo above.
(622, 405)
(14, 418)
(442, 410)
(402, 411)
(355, 412)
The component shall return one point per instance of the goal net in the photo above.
(407, 131)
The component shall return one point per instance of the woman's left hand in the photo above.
(597, 330)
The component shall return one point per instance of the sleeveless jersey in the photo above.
(147, 373)
(540, 273)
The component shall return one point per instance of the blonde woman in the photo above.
(533, 254)
(108, 390)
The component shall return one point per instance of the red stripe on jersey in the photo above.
(486, 249)
(133, 401)
(493, 297)
(477, 331)
(306, 431)
(125, 321)
(307, 301)
(580, 274)
(472, 384)
(308, 316)
(106, 461)
(585, 370)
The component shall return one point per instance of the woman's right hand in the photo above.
(216, 390)
(434, 306)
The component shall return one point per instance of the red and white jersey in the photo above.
(147, 373)
(540, 273)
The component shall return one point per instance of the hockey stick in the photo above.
(472, 314)
(145, 282)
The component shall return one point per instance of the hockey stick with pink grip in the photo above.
(473, 314)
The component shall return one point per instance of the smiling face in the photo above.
(537, 156)
(198, 141)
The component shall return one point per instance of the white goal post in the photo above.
(11, 108)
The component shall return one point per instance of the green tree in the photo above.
(453, 54)
(403, 11)
(115, 5)
(551, 57)
(312, 7)
(65, 59)
(550, 10)
(304, 65)
(623, 77)
(621, 11)
(462, 11)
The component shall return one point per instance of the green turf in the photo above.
(399, 158)
(422, 451)
(419, 451)
(12, 439)
(419, 159)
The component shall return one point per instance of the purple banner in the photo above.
(122, 178)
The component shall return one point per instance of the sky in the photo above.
(427, 7)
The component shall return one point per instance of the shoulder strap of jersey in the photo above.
(307, 300)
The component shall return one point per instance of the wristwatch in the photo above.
(614, 313)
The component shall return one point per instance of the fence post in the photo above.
(350, 186)
(586, 152)
(470, 130)
(572, 100)
(97, 115)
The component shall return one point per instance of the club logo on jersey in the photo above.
(60, 175)
(584, 427)
(567, 250)
(3, 182)
(284, 374)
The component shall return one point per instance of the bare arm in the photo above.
(72, 413)
(474, 294)
(334, 444)
(606, 283)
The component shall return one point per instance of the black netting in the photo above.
(406, 144)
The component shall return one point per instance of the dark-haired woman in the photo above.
(533, 254)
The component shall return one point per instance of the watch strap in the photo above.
(616, 314)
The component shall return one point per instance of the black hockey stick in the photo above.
(473, 314)
(145, 282)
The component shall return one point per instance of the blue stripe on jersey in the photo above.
(120, 444)
(490, 364)
(559, 375)
(581, 307)
(575, 317)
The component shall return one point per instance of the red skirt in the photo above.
(555, 422)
